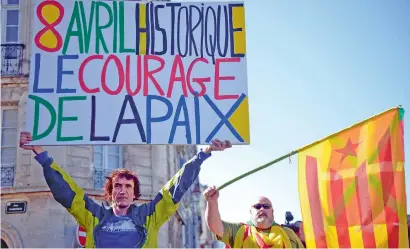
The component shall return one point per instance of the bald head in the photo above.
(261, 200)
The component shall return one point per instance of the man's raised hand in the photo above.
(211, 194)
(218, 145)
(25, 137)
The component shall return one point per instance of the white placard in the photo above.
(131, 72)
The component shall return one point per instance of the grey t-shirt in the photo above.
(119, 232)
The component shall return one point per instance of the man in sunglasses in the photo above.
(260, 232)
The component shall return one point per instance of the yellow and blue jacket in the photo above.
(148, 217)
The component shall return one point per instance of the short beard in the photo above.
(122, 206)
(261, 222)
(261, 219)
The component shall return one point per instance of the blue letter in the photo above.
(232, 30)
(150, 119)
(197, 118)
(181, 104)
(93, 137)
(135, 120)
(36, 74)
(224, 118)
(60, 73)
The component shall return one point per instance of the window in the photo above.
(106, 159)
(11, 50)
(10, 20)
(8, 145)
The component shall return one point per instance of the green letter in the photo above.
(87, 28)
(52, 112)
(61, 118)
(75, 18)
(114, 35)
(122, 47)
(98, 34)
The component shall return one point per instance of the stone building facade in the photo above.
(41, 221)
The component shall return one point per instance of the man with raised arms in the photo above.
(124, 224)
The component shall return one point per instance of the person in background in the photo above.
(260, 232)
(300, 233)
(408, 227)
(124, 224)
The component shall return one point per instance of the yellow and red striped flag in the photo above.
(352, 186)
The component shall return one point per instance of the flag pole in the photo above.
(301, 149)
(257, 169)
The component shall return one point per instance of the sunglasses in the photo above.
(259, 206)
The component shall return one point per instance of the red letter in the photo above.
(150, 74)
(127, 76)
(200, 81)
(218, 78)
(120, 75)
(177, 64)
(81, 74)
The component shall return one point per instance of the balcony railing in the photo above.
(7, 175)
(12, 59)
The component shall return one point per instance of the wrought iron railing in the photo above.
(7, 175)
(12, 59)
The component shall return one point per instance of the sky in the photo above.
(314, 68)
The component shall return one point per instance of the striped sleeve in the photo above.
(66, 192)
(166, 202)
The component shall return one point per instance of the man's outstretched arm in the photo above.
(166, 203)
(224, 231)
(64, 189)
(212, 215)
